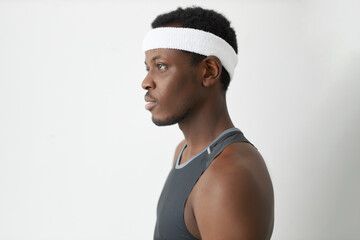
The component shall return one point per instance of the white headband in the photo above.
(192, 40)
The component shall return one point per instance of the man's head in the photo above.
(201, 19)
(190, 58)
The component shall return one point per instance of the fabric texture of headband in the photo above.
(192, 40)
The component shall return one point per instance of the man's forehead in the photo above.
(162, 53)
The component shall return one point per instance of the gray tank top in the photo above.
(170, 222)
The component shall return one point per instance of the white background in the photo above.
(81, 159)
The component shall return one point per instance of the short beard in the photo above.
(171, 120)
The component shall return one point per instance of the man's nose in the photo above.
(148, 82)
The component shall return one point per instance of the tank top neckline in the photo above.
(180, 166)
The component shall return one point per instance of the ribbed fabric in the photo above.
(192, 40)
(170, 223)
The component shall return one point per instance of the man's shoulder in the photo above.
(238, 173)
(236, 187)
(241, 166)
(238, 157)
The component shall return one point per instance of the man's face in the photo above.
(173, 86)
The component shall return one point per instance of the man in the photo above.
(219, 186)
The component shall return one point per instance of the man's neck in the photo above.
(202, 128)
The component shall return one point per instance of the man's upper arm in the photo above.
(234, 203)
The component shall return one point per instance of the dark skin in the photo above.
(234, 198)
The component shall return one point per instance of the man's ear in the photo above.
(212, 71)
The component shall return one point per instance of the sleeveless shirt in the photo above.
(170, 223)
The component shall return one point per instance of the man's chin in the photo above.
(163, 122)
(170, 120)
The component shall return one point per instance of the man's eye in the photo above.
(161, 66)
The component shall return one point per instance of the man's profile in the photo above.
(219, 186)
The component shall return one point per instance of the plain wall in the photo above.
(81, 159)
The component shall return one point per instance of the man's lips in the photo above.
(150, 105)
(150, 102)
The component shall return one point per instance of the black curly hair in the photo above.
(202, 19)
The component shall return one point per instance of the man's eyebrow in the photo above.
(154, 58)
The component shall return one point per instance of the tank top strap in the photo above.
(231, 136)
